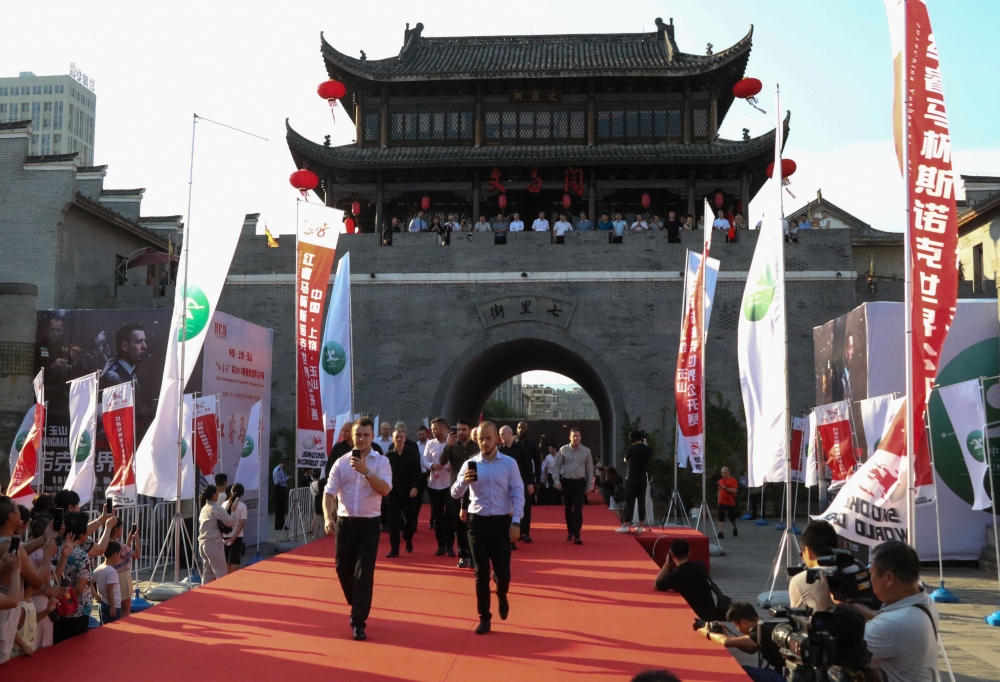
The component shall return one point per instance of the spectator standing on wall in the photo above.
(540, 224)
(584, 225)
(482, 225)
(673, 227)
(618, 226)
(604, 224)
(500, 229)
(720, 222)
(561, 227)
(639, 223)
(418, 224)
(805, 223)
(464, 226)
(824, 222)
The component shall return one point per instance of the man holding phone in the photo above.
(496, 502)
(352, 508)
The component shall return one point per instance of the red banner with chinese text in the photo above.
(834, 427)
(921, 123)
(688, 383)
(118, 419)
(26, 467)
(317, 249)
(206, 434)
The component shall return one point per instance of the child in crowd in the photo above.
(26, 639)
(106, 579)
(130, 550)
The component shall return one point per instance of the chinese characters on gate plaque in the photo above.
(526, 309)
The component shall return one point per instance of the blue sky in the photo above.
(254, 66)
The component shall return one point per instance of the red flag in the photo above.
(834, 428)
(206, 434)
(118, 419)
(26, 467)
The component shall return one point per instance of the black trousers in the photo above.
(635, 491)
(526, 517)
(573, 492)
(66, 628)
(400, 509)
(357, 547)
(461, 529)
(280, 506)
(444, 527)
(489, 537)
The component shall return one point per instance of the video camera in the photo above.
(820, 646)
(849, 580)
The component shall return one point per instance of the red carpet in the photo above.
(577, 613)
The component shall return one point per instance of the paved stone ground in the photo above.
(973, 646)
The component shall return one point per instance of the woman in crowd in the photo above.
(130, 550)
(211, 546)
(436, 226)
(74, 572)
(234, 540)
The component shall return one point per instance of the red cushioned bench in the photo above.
(657, 544)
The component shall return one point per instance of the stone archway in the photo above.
(476, 373)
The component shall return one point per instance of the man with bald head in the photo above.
(496, 502)
(516, 451)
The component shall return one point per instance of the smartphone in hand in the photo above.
(109, 506)
(15, 543)
(473, 467)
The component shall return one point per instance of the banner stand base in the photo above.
(993, 619)
(714, 546)
(294, 516)
(177, 529)
(942, 595)
(789, 547)
(677, 509)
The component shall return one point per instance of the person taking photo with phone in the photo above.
(496, 502)
(352, 509)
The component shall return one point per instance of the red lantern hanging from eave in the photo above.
(349, 226)
(356, 208)
(719, 199)
(787, 169)
(747, 89)
(644, 200)
(502, 202)
(304, 180)
(567, 201)
(425, 203)
(331, 91)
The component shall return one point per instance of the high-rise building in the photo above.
(509, 393)
(62, 110)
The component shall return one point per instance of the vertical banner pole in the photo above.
(994, 618)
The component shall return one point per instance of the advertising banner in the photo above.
(206, 434)
(248, 469)
(761, 339)
(920, 122)
(799, 427)
(874, 412)
(834, 428)
(964, 406)
(812, 452)
(336, 376)
(20, 436)
(26, 468)
(118, 418)
(83, 436)
(318, 231)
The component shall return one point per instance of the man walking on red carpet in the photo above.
(574, 476)
(496, 502)
(358, 481)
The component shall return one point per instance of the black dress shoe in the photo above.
(472, 564)
(513, 545)
(569, 536)
(484, 626)
(409, 547)
(736, 533)
(504, 606)
(450, 552)
(526, 539)
(392, 555)
(463, 562)
(439, 552)
(577, 540)
(359, 633)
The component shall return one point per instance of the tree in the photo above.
(497, 410)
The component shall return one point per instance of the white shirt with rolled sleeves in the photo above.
(355, 497)
(902, 642)
(540, 225)
(440, 479)
(562, 227)
(516, 226)
(499, 490)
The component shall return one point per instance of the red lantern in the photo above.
(567, 201)
(644, 200)
(349, 226)
(719, 200)
(502, 202)
(788, 168)
(331, 91)
(739, 207)
(747, 89)
(425, 203)
(356, 208)
(304, 180)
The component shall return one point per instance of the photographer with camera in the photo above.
(902, 641)
(688, 578)
(818, 540)
(751, 640)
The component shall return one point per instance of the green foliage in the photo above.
(497, 409)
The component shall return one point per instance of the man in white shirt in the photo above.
(438, 488)
(352, 504)
(548, 467)
(818, 539)
(902, 636)
(639, 224)
(540, 225)
(561, 227)
(496, 502)
(720, 222)
(418, 224)
(384, 441)
(517, 225)
(482, 225)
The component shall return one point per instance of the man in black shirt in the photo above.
(531, 474)
(405, 462)
(673, 227)
(637, 458)
(752, 641)
(516, 451)
(689, 579)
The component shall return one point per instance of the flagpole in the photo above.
(941, 594)
(45, 430)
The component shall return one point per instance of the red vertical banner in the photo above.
(688, 383)
(834, 427)
(920, 127)
(206, 434)
(26, 468)
(317, 249)
(798, 442)
(118, 419)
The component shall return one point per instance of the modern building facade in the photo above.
(62, 111)
(599, 123)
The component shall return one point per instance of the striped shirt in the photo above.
(572, 463)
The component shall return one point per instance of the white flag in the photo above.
(20, 436)
(761, 339)
(336, 376)
(212, 239)
(812, 469)
(874, 413)
(187, 455)
(248, 470)
(82, 436)
(964, 404)
(711, 277)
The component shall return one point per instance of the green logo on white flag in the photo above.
(975, 445)
(19, 441)
(196, 315)
(758, 300)
(247, 447)
(334, 358)
(83, 444)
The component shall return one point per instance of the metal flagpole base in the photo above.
(704, 513)
(795, 530)
(761, 522)
(676, 508)
(746, 517)
(775, 597)
(165, 590)
(942, 595)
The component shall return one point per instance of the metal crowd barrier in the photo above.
(153, 521)
(301, 511)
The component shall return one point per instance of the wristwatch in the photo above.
(369, 473)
